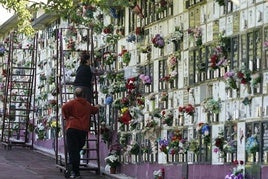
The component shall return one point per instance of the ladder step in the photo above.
(89, 159)
(24, 68)
(90, 149)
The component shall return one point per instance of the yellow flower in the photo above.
(124, 109)
(53, 124)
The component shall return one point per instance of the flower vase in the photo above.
(112, 170)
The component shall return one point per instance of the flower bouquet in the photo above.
(112, 160)
(188, 109)
(196, 33)
(167, 117)
(126, 117)
(126, 57)
(109, 58)
(150, 123)
(176, 142)
(131, 38)
(106, 133)
(252, 144)
(231, 79)
(163, 145)
(256, 79)
(193, 145)
(158, 174)
(158, 41)
(212, 106)
(146, 79)
(172, 61)
(219, 142)
(237, 171)
(135, 149)
(204, 130)
(2, 50)
(217, 59)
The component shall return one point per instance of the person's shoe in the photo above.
(73, 175)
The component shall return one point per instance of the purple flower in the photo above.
(229, 74)
(222, 60)
(163, 142)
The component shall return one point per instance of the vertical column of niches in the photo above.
(244, 52)
(252, 145)
(264, 148)
(255, 65)
(191, 67)
(234, 55)
(265, 48)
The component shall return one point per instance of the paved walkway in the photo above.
(24, 163)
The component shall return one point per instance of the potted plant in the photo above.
(113, 161)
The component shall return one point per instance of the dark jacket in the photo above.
(83, 76)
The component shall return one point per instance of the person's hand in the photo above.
(98, 106)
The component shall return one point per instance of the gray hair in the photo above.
(78, 92)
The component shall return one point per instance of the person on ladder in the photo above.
(83, 78)
(76, 113)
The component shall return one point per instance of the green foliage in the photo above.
(68, 9)
(23, 11)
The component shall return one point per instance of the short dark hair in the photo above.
(84, 56)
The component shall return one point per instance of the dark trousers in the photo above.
(75, 142)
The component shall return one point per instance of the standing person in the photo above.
(83, 78)
(76, 113)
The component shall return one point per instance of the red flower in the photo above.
(243, 81)
(214, 58)
(181, 109)
(218, 142)
(235, 162)
(125, 118)
(240, 75)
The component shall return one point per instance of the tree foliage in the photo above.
(24, 9)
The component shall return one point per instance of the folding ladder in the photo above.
(90, 154)
(19, 92)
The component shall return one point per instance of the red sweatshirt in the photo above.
(77, 113)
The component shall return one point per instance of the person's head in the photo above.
(78, 92)
(85, 58)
